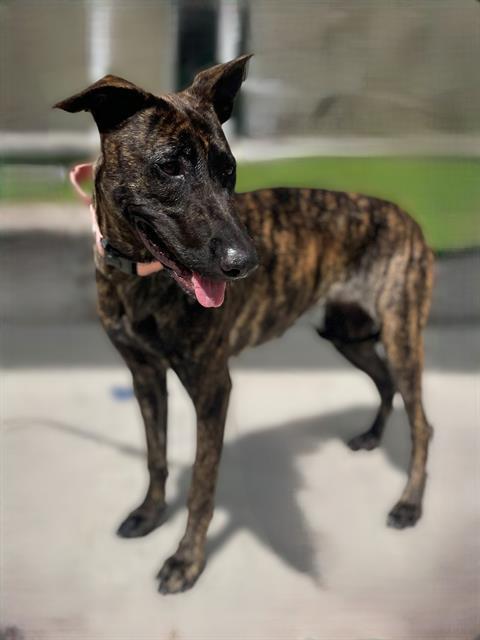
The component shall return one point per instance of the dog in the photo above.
(233, 270)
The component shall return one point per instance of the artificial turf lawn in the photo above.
(443, 194)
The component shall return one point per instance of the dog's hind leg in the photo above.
(149, 383)
(405, 355)
(354, 334)
(364, 356)
(209, 389)
(403, 321)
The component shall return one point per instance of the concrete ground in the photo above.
(298, 549)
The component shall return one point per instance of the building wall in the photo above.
(42, 56)
(375, 66)
(333, 67)
(45, 55)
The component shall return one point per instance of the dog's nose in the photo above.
(236, 262)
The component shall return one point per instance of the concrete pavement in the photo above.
(298, 548)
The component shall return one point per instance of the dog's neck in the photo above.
(106, 254)
(113, 225)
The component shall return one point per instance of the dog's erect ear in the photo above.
(111, 100)
(220, 84)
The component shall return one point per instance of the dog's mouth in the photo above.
(207, 292)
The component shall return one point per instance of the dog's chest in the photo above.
(154, 317)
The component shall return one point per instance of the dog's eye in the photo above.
(171, 168)
(227, 175)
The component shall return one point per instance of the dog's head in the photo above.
(167, 171)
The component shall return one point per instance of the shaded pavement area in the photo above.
(298, 548)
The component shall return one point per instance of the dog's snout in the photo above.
(237, 262)
(232, 262)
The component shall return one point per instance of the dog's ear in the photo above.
(220, 84)
(111, 100)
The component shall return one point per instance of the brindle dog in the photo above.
(164, 188)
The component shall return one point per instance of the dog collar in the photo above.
(111, 256)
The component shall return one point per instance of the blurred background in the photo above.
(376, 96)
(330, 83)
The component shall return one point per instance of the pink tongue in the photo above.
(209, 293)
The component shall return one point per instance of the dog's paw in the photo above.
(141, 522)
(404, 514)
(366, 441)
(178, 574)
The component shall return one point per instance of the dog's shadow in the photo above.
(260, 478)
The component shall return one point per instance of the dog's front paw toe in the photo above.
(404, 514)
(141, 522)
(366, 441)
(178, 574)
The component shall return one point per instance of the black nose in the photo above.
(236, 262)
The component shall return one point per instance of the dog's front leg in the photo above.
(210, 392)
(150, 388)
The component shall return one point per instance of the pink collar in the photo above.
(81, 173)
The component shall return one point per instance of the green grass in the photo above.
(442, 194)
(42, 192)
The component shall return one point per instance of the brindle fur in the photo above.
(363, 258)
